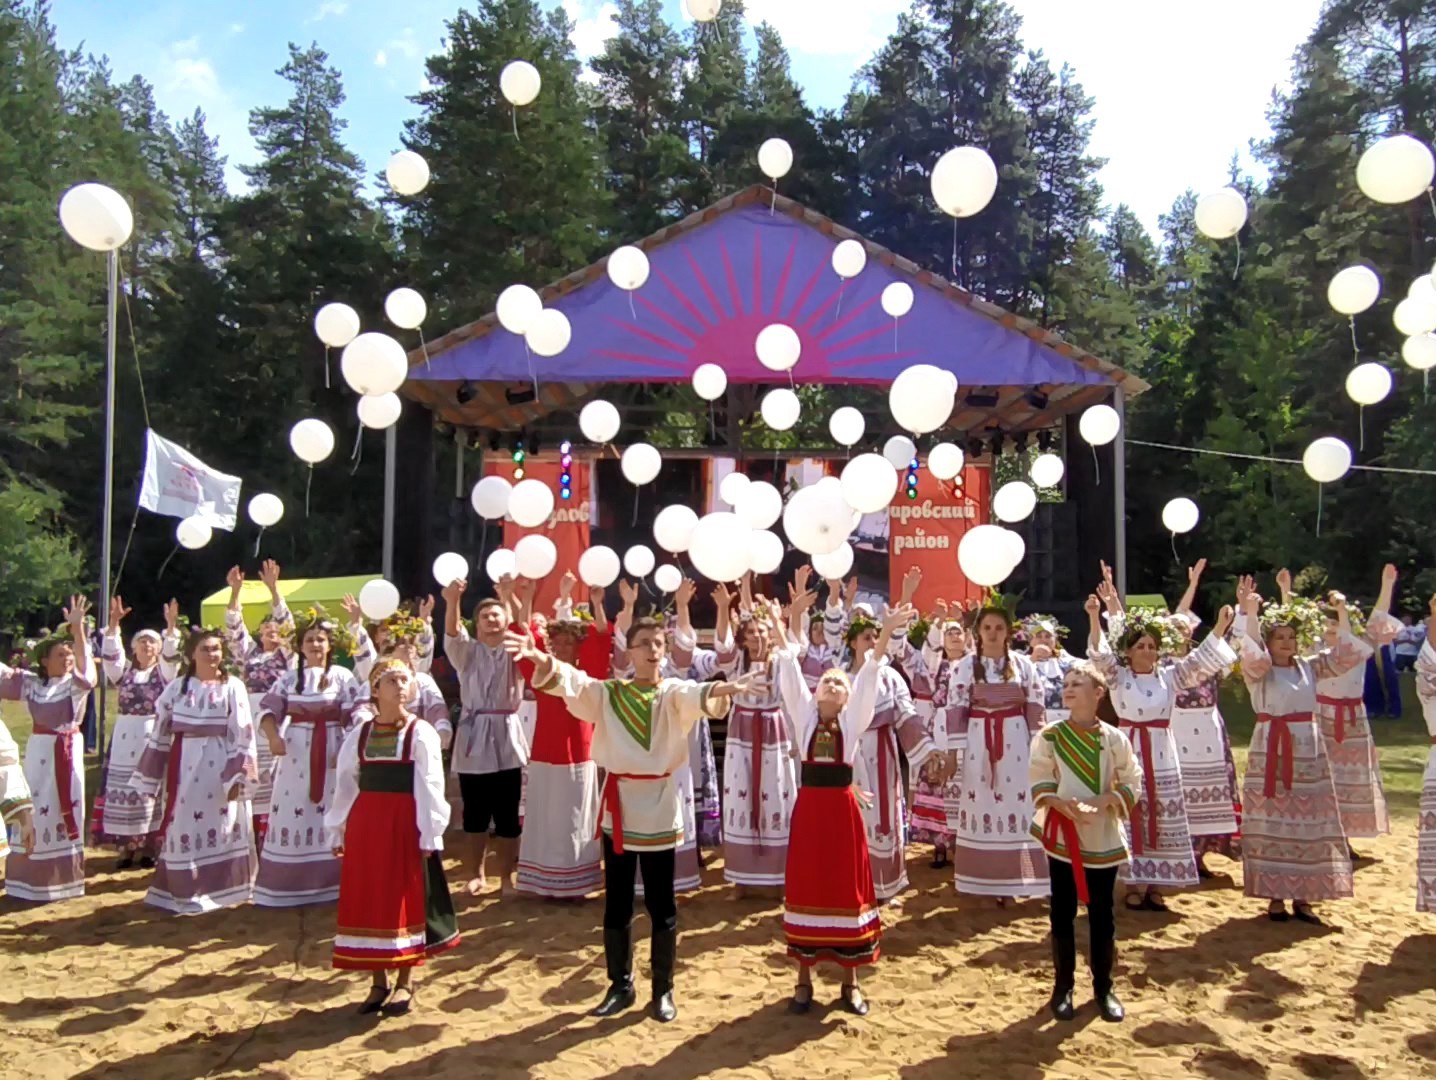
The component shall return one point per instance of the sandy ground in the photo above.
(105, 986)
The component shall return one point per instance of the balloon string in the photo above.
(773, 206)
(309, 479)
(1355, 348)
(358, 435)
(1361, 413)
(358, 452)
(842, 284)
(326, 367)
(712, 422)
(1431, 199)
(166, 563)
(631, 310)
(1238, 268)
(635, 504)
(954, 251)
(423, 345)
(515, 114)
(1319, 489)
(1097, 466)
(257, 541)
(1175, 556)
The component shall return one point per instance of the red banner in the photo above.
(567, 526)
(924, 532)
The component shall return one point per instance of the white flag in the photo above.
(178, 484)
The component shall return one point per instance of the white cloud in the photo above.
(381, 58)
(850, 28)
(334, 8)
(188, 73)
(593, 25)
(406, 44)
(236, 28)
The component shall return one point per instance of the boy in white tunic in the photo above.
(640, 739)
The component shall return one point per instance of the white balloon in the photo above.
(673, 528)
(702, 11)
(378, 599)
(1415, 315)
(921, 398)
(639, 561)
(598, 567)
(449, 568)
(1047, 470)
(780, 409)
(1014, 502)
(96, 217)
(1180, 516)
(640, 464)
(517, 308)
(535, 556)
(899, 452)
(628, 268)
(407, 173)
(490, 497)
(760, 505)
(265, 510)
(311, 440)
(984, 554)
(719, 547)
(1016, 546)
(668, 578)
(193, 533)
(500, 565)
(530, 503)
(964, 181)
(1422, 285)
(1369, 383)
(374, 364)
(1326, 459)
(835, 564)
(520, 83)
(1221, 214)
(336, 325)
(1419, 352)
(549, 333)
(869, 484)
(1396, 169)
(378, 411)
(732, 488)
(778, 347)
(406, 309)
(709, 381)
(849, 258)
(765, 552)
(1353, 290)
(775, 158)
(846, 426)
(945, 461)
(817, 518)
(897, 299)
(1099, 425)
(598, 421)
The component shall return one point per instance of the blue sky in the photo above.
(1179, 89)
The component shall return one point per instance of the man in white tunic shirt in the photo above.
(640, 738)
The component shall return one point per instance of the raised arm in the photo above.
(278, 609)
(1108, 592)
(1350, 651)
(1211, 658)
(170, 643)
(1099, 650)
(626, 614)
(457, 646)
(723, 621)
(240, 643)
(1283, 583)
(1388, 590)
(112, 651)
(1194, 578)
(80, 641)
(1255, 660)
(425, 658)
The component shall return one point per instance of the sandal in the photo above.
(397, 1006)
(853, 1000)
(802, 999)
(375, 1001)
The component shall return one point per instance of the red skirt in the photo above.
(830, 911)
(393, 912)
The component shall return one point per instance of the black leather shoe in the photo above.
(853, 1000)
(1064, 963)
(620, 996)
(1110, 1008)
(1061, 1003)
(662, 1008)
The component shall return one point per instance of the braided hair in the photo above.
(324, 627)
(979, 668)
(192, 642)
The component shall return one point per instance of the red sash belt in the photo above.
(610, 799)
(992, 734)
(887, 748)
(64, 777)
(1147, 833)
(1060, 826)
(172, 779)
(1345, 707)
(318, 755)
(755, 803)
(1279, 748)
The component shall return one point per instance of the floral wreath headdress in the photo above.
(401, 626)
(1032, 625)
(60, 635)
(341, 639)
(1302, 615)
(1156, 623)
(859, 624)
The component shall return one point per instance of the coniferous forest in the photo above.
(220, 286)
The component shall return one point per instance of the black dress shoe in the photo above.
(147, 862)
(620, 996)
(662, 1008)
(1061, 1004)
(853, 1001)
(802, 1000)
(375, 1001)
(1110, 1008)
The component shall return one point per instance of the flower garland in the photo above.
(229, 664)
(1139, 622)
(341, 639)
(917, 633)
(1302, 615)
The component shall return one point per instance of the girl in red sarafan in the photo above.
(387, 822)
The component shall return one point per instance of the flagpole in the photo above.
(103, 613)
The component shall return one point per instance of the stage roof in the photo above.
(722, 274)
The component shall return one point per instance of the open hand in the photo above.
(426, 608)
(172, 615)
(269, 574)
(235, 578)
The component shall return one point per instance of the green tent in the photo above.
(298, 593)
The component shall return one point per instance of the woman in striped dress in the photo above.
(52, 867)
(303, 718)
(261, 663)
(1293, 847)
(123, 817)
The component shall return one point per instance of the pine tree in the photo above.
(714, 92)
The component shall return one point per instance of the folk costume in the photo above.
(260, 669)
(491, 746)
(1426, 823)
(1209, 774)
(14, 791)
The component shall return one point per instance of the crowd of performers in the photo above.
(255, 768)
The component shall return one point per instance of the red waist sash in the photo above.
(1060, 826)
(1279, 749)
(992, 734)
(610, 799)
(318, 754)
(1147, 833)
(1345, 707)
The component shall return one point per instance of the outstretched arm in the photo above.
(1194, 578)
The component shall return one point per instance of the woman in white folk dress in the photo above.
(124, 818)
(17, 811)
(1293, 847)
(262, 661)
(303, 718)
(200, 760)
(52, 866)
(1144, 676)
(1426, 821)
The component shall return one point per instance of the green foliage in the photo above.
(38, 560)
